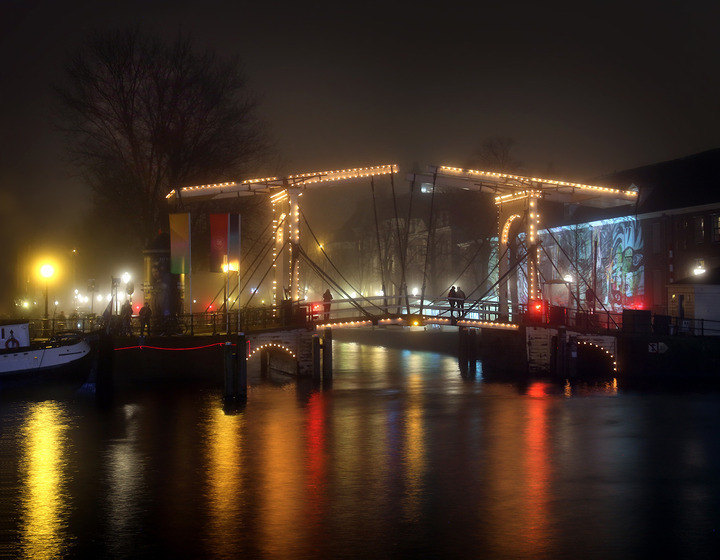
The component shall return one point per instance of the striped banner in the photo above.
(180, 243)
(224, 241)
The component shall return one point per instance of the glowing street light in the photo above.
(47, 271)
(125, 277)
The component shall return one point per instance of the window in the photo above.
(715, 221)
(699, 229)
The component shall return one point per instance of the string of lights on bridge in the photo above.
(272, 345)
(579, 186)
(593, 345)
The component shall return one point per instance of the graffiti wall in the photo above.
(613, 246)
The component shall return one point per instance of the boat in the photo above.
(64, 356)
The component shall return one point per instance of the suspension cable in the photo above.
(401, 256)
(266, 273)
(332, 281)
(377, 235)
(430, 234)
(580, 276)
(322, 249)
(491, 288)
(404, 248)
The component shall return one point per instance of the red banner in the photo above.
(218, 241)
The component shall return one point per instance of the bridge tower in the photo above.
(284, 194)
(521, 208)
(518, 200)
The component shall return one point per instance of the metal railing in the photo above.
(307, 314)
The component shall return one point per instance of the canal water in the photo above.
(402, 458)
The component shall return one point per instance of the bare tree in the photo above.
(144, 117)
(496, 154)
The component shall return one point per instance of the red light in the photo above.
(538, 306)
(316, 307)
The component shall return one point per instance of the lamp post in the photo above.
(46, 271)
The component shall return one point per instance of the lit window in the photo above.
(715, 220)
(699, 229)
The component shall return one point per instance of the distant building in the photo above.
(672, 232)
(626, 256)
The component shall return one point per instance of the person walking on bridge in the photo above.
(452, 299)
(460, 295)
(327, 298)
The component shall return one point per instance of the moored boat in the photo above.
(63, 357)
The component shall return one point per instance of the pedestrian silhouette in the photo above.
(327, 298)
(145, 314)
(460, 295)
(452, 299)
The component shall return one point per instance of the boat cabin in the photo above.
(14, 335)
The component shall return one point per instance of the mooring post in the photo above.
(241, 358)
(231, 364)
(316, 357)
(327, 355)
(472, 351)
(561, 367)
(104, 373)
(463, 349)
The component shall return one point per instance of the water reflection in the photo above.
(45, 505)
(402, 458)
(224, 460)
(125, 471)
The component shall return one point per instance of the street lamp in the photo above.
(46, 271)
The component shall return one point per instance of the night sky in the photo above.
(589, 87)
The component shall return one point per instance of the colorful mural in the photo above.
(619, 266)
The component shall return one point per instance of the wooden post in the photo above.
(327, 355)
(561, 362)
(316, 357)
(104, 372)
(230, 372)
(472, 351)
(241, 358)
(463, 349)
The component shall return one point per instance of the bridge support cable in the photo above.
(401, 254)
(406, 242)
(487, 277)
(322, 250)
(272, 264)
(491, 288)
(260, 255)
(577, 300)
(446, 290)
(430, 238)
(577, 271)
(266, 250)
(377, 235)
(325, 276)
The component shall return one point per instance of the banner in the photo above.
(224, 241)
(180, 243)
(218, 241)
(234, 242)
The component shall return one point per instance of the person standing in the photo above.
(327, 298)
(452, 299)
(460, 295)
(125, 317)
(145, 314)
